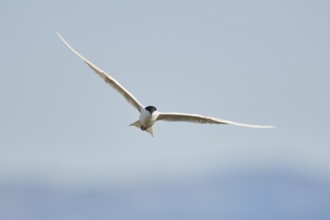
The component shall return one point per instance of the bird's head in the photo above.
(151, 109)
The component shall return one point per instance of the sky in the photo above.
(258, 62)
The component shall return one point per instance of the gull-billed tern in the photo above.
(149, 115)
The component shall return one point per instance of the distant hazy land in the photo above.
(253, 195)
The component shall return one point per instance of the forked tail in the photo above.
(138, 125)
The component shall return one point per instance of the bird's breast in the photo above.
(147, 119)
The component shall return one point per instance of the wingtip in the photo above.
(59, 34)
(269, 126)
(56, 31)
(257, 126)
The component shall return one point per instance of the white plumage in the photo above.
(149, 115)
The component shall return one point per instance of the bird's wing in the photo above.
(108, 79)
(174, 116)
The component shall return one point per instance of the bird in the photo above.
(149, 114)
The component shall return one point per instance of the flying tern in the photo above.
(149, 114)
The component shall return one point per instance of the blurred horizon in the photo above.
(153, 176)
(286, 194)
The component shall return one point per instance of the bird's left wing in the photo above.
(108, 79)
(174, 116)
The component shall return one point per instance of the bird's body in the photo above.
(149, 115)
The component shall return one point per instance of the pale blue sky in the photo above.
(262, 62)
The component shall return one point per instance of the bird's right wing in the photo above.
(183, 117)
(108, 79)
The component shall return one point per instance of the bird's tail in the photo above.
(138, 125)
